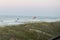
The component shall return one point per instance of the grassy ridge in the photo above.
(40, 31)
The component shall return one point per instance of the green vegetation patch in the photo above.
(30, 31)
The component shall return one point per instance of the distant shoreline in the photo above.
(15, 20)
(26, 23)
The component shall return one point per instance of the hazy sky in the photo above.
(30, 7)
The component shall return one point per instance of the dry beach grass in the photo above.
(30, 31)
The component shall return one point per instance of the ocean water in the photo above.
(13, 20)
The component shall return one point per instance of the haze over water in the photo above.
(30, 7)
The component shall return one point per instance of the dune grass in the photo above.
(40, 31)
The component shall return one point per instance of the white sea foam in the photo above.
(21, 20)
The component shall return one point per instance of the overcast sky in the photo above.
(30, 7)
